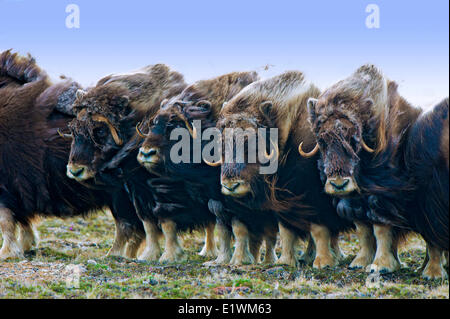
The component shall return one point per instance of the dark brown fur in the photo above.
(33, 155)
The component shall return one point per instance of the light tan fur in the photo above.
(386, 259)
(11, 247)
(120, 241)
(270, 256)
(242, 254)
(434, 268)
(173, 252)
(309, 254)
(28, 237)
(336, 249)
(288, 93)
(324, 254)
(224, 241)
(209, 248)
(288, 240)
(367, 246)
(152, 249)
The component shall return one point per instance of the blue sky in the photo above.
(327, 40)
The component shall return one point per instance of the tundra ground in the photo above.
(83, 243)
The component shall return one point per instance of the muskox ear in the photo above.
(123, 101)
(266, 108)
(204, 104)
(80, 94)
(311, 107)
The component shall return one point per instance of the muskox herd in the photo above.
(355, 157)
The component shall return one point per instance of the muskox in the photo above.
(33, 157)
(355, 123)
(105, 142)
(292, 194)
(200, 102)
(415, 195)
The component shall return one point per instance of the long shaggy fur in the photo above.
(33, 155)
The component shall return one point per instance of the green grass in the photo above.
(77, 241)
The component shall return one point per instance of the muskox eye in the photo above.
(101, 132)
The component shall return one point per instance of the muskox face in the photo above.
(240, 174)
(175, 114)
(339, 135)
(95, 140)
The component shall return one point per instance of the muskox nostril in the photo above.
(77, 172)
(232, 187)
(340, 186)
(149, 153)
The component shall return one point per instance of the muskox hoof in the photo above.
(270, 258)
(384, 266)
(173, 256)
(114, 253)
(360, 262)
(239, 260)
(289, 261)
(434, 271)
(6, 254)
(222, 259)
(208, 252)
(322, 262)
(150, 255)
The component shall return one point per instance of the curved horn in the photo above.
(310, 154)
(273, 153)
(365, 147)
(138, 130)
(66, 136)
(213, 164)
(192, 129)
(112, 129)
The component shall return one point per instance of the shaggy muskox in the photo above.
(33, 157)
(358, 123)
(200, 102)
(294, 191)
(415, 196)
(105, 143)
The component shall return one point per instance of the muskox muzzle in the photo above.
(78, 172)
(148, 156)
(235, 187)
(340, 186)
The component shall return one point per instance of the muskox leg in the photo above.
(224, 240)
(209, 248)
(241, 253)
(10, 247)
(386, 259)
(28, 236)
(336, 249)
(255, 248)
(445, 263)
(309, 254)
(322, 240)
(270, 257)
(120, 240)
(134, 242)
(152, 249)
(367, 246)
(172, 249)
(434, 268)
(288, 240)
